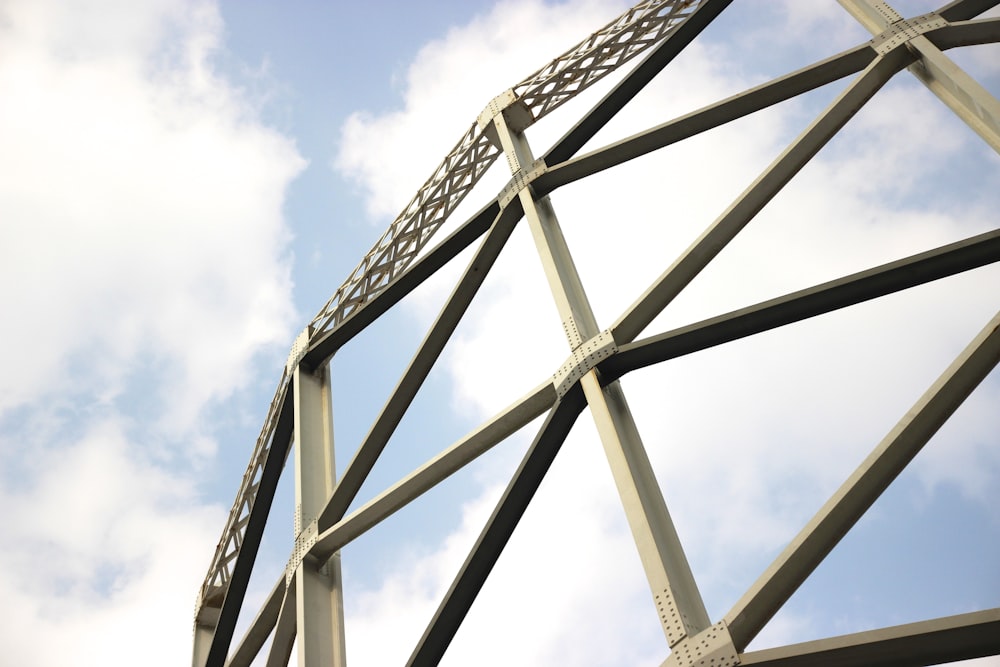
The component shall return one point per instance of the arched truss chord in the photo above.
(305, 605)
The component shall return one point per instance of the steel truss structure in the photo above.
(305, 606)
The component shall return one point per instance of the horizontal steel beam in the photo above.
(919, 269)
(435, 471)
(935, 642)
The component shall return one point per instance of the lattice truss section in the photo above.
(618, 42)
(589, 377)
(412, 229)
(632, 33)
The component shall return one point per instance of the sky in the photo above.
(183, 184)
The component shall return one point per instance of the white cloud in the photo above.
(747, 440)
(143, 266)
(100, 549)
(142, 218)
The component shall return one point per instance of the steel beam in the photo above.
(962, 637)
(925, 267)
(417, 371)
(436, 470)
(754, 198)
(478, 565)
(319, 617)
(962, 10)
(966, 33)
(678, 602)
(960, 92)
(679, 605)
(864, 486)
(260, 628)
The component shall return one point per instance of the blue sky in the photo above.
(185, 182)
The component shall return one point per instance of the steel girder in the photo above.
(305, 601)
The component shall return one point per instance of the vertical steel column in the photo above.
(682, 612)
(318, 587)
